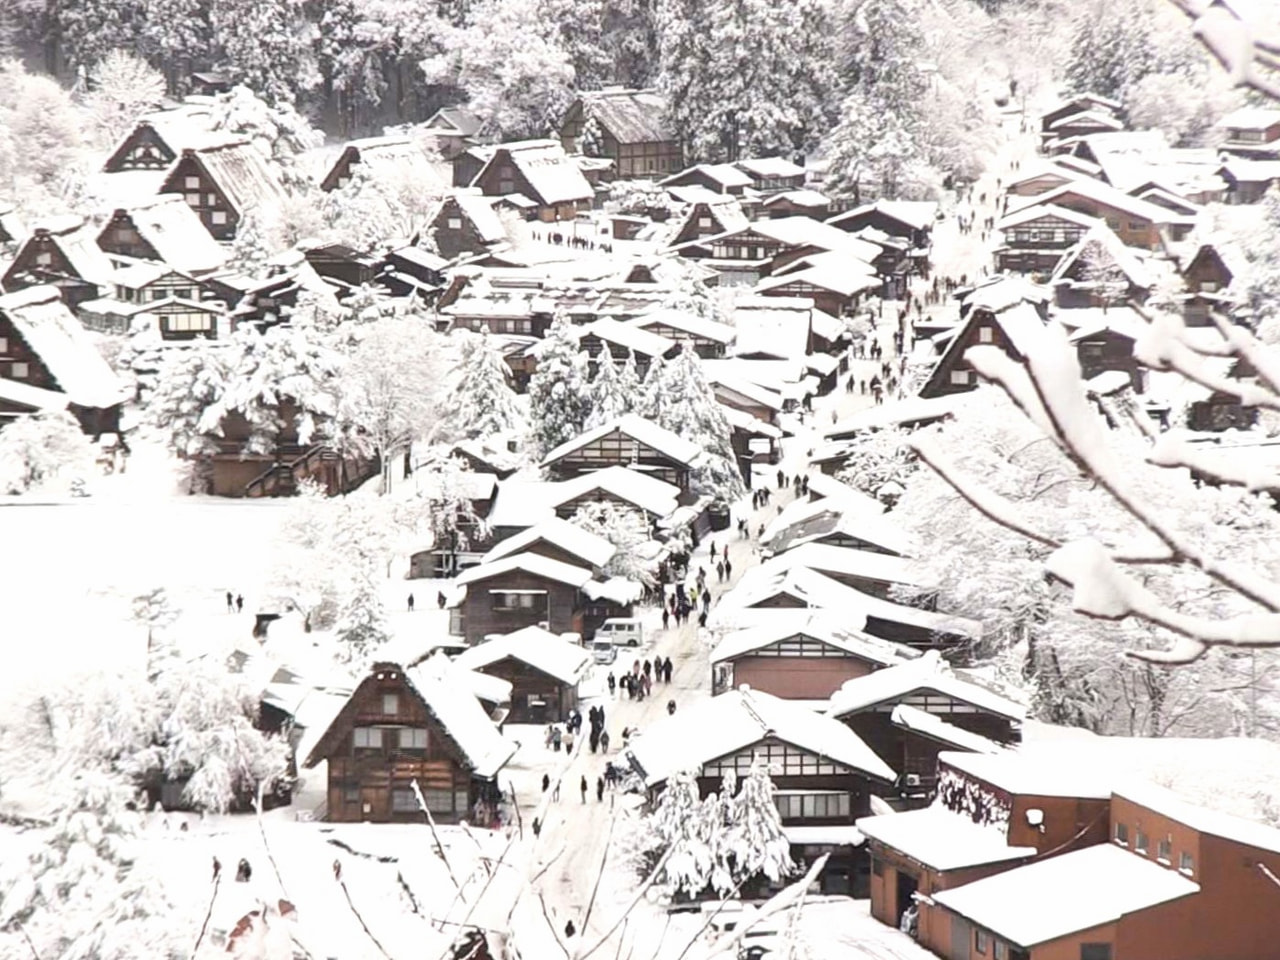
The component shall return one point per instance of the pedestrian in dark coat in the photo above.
(594, 740)
(582, 788)
(239, 603)
(569, 929)
(440, 600)
(613, 683)
(666, 670)
(702, 618)
(599, 789)
(647, 667)
(546, 782)
(411, 603)
(666, 618)
(537, 827)
(728, 569)
(231, 602)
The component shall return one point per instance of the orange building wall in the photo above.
(798, 678)
(1064, 817)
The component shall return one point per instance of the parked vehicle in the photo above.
(621, 631)
(604, 651)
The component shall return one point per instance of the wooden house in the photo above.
(344, 266)
(185, 307)
(797, 203)
(544, 671)
(823, 774)
(910, 219)
(1138, 223)
(993, 812)
(1100, 271)
(629, 441)
(61, 253)
(649, 494)
(872, 573)
(708, 216)
(1082, 123)
(867, 705)
(805, 657)
(716, 177)
(1038, 178)
(466, 223)
(833, 281)
(453, 129)
(1012, 330)
(839, 524)
(612, 341)
(414, 272)
(1077, 104)
(1248, 180)
(225, 182)
(541, 171)
(1252, 132)
(464, 546)
(560, 540)
(402, 732)
(522, 590)
(770, 175)
(164, 230)
(708, 338)
(44, 348)
(158, 139)
(400, 160)
(1036, 237)
(1108, 346)
(628, 127)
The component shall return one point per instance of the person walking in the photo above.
(728, 569)
(556, 739)
(647, 667)
(666, 618)
(411, 603)
(441, 600)
(546, 782)
(613, 683)
(666, 670)
(582, 788)
(599, 789)
(231, 603)
(239, 603)
(555, 792)
(604, 741)
(568, 741)
(537, 828)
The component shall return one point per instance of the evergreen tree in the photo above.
(686, 405)
(653, 404)
(361, 628)
(559, 390)
(630, 39)
(1110, 48)
(608, 402)
(488, 404)
(746, 77)
(267, 46)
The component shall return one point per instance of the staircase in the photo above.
(321, 464)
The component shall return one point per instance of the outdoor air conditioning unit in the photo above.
(912, 779)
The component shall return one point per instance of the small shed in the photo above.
(543, 669)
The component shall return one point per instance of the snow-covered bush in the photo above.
(35, 449)
(624, 527)
(880, 462)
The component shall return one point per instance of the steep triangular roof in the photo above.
(544, 651)
(643, 431)
(584, 544)
(630, 116)
(176, 234)
(930, 672)
(247, 178)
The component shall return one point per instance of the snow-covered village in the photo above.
(640, 479)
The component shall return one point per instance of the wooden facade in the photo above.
(620, 449)
(383, 741)
(630, 131)
(47, 257)
(953, 374)
(510, 171)
(190, 178)
(799, 667)
(1036, 245)
(456, 231)
(536, 697)
(506, 602)
(142, 149)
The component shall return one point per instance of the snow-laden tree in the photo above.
(390, 391)
(1184, 105)
(880, 464)
(630, 38)
(1258, 287)
(746, 77)
(1099, 269)
(628, 530)
(1112, 48)
(272, 125)
(122, 87)
(188, 384)
(361, 628)
(177, 35)
(559, 390)
(611, 397)
(510, 61)
(252, 246)
(873, 152)
(89, 30)
(486, 405)
(267, 46)
(45, 134)
(721, 841)
(353, 52)
(439, 511)
(38, 448)
(581, 25)
(684, 403)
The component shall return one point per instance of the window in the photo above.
(1113, 223)
(1164, 850)
(218, 218)
(1186, 863)
(19, 371)
(413, 738)
(455, 223)
(4, 344)
(1122, 834)
(985, 334)
(191, 183)
(403, 801)
(366, 738)
(182, 293)
(1137, 225)
(704, 222)
(1000, 950)
(877, 867)
(44, 259)
(1140, 843)
(351, 793)
(441, 801)
(1095, 951)
(811, 806)
(390, 704)
(514, 601)
(193, 200)
(980, 941)
(959, 377)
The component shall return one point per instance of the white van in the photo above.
(621, 631)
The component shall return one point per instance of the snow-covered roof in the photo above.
(687, 322)
(25, 395)
(63, 345)
(1038, 776)
(803, 522)
(540, 649)
(479, 210)
(643, 431)
(448, 695)
(799, 198)
(549, 171)
(532, 563)
(723, 375)
(917, 214)
(1105, 883)
(1102, 193)
(835, 561)
(650, 494)
(1094, 118)
(175, 232)
(249, 179)
(1124, 257)
(1251, 171)
(896, 413)
(800, 231)
(619, 590)
(941, 839)
(741, 420)
(521, 503)
(723, 725)
(636, 339)
(836, 278)
(1169, 804)
(595, 550)
(725, 174)
(1037, 211)
(765, 167)
(630, 116)
(1250, 118)
(824, 626)
(929, 672)
(77, 240)
(455, 120)
(823, 486)
(773, 327)
(929, 725)
(406, 157)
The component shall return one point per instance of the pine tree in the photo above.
(559, 390)
(608, 402)
(653, 403)
(267, 46)
(684, 403)
(361, 629)
(488, 405)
